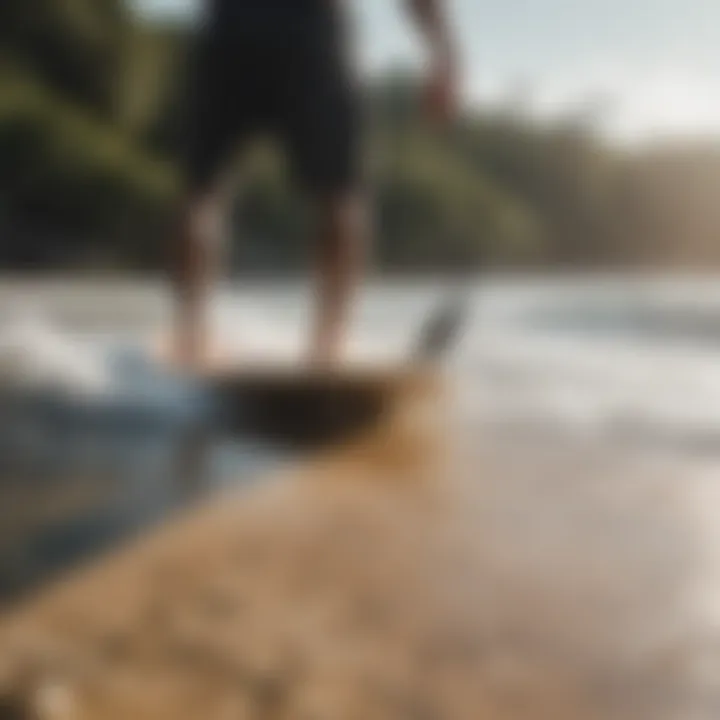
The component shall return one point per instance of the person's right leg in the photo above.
(342, 238)
(196, 245)
(198, 229)
(323, 133)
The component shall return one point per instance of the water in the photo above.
(627, 362)
(89, 458)
(623, 360)
(587, 355)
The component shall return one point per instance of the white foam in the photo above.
(34, 355)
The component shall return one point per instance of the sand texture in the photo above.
(415, 574)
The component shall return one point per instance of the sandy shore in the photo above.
(416, 574)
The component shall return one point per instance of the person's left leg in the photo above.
(323, 133)
(196, 247)
(220, 99)
(342, 237)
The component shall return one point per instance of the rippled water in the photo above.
(97, 443)
(627, 362)
(586, 355)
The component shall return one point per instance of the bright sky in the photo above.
(655, 64)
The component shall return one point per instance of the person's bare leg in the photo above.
(342, 237)
(195, 250)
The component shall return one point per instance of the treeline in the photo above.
(91, 127)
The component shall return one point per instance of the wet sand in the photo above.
(424, 571)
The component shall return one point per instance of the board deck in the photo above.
(305, 405)
(312, 408)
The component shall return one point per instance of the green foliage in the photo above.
(92, 107)
(64, 171)
(74, 46)
(439, 209)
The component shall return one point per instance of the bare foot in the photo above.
(325, 356)
(192, 357)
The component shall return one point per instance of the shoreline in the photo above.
(421, 570)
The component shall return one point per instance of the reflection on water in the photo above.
(629, 363)
(79, 475)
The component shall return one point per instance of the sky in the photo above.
(653, 65)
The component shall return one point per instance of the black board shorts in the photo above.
(289, 77)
